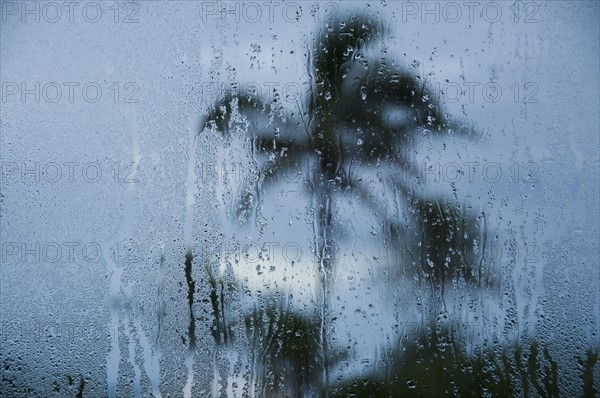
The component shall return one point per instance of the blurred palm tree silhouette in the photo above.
(364, 108)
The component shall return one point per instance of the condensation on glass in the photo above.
(296, 199)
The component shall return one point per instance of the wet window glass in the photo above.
(299, 199)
